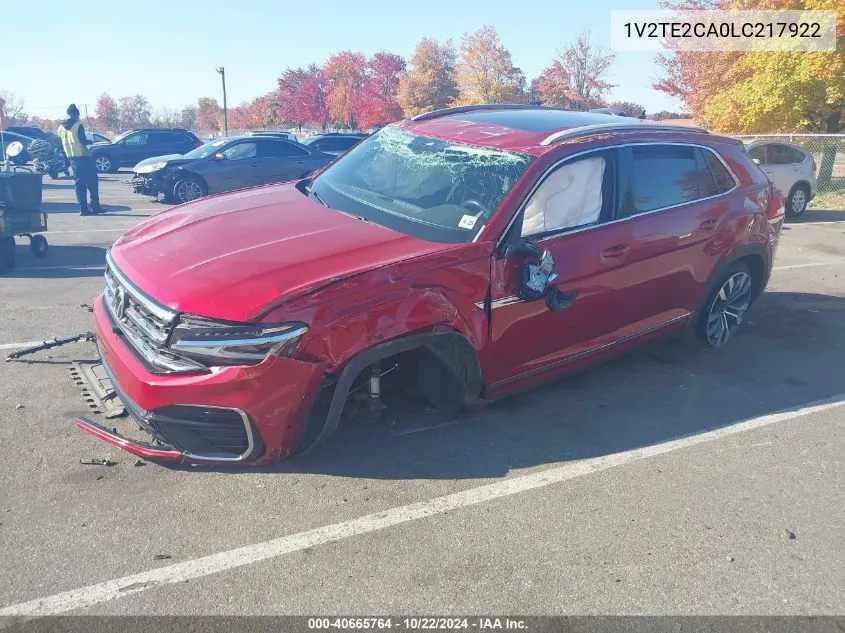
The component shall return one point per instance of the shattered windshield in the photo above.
(426, 187)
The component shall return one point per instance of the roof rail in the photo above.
(436, 114)
(583, 130)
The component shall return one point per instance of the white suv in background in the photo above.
(792, 170)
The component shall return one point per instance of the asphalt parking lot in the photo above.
(675, 480)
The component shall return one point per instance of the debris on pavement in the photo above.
(98, 462)
(18, 406)
(731, 559)
(162, 556)
(789, 534)
(140, 463)
(56, 342)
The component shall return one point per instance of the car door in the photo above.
(676, 207)
(282, 160)
(570, 213)
(235, 167)
(133, 149)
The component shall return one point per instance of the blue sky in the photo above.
(168, 50)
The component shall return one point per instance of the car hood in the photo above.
(167, 158)
(234, 256)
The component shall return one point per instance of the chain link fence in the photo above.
(828, 151)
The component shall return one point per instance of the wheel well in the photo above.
(801, 184)
(440, 366)
(757, 267)
(184, 173)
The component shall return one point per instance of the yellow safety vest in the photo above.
(70, 141)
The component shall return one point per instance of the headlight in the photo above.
(215, 344)
(146, 169)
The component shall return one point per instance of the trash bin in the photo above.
(20, 191)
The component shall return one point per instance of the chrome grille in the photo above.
(144, 324)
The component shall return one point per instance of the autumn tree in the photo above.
(12, 108)
(430, 81)
(311, 100)
(378, 103)
(165, 117)
(766, 91)
(188, 117)
(107, 112)
(135, 111)
(344, 73)
(553, 86)
(485, 71)
(208, 114)
(289, 87)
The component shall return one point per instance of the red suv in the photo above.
(474, 250)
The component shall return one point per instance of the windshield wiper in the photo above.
(313, 193)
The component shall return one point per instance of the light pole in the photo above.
(222, 72)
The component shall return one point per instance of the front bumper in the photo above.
(148, 185)
(228, 415)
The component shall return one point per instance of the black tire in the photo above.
(38, 245)
(188, 188)
(53, 174)
(729, 307)
(104, 164)
(796, 201)
(7, 254)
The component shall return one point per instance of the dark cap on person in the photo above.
(72, 110)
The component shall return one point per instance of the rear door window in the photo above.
(664, 176)
(783, 155)
(279, 149)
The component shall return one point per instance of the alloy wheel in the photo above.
(103, 164)
(728, 309)
(799, 201)
(188, 190)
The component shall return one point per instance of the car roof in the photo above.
(527, 128)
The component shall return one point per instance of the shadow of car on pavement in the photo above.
(789, 353)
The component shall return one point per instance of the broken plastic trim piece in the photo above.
(144, 450)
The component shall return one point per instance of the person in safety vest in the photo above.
(75, 145)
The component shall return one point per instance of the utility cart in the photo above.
(20, 215)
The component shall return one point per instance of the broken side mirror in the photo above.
(537, 277)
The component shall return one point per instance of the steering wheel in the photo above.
(475, 208)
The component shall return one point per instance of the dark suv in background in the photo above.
(133, 146)
(334, 144)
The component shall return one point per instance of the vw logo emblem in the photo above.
(119, 303)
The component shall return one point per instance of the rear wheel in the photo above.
(38, 245)
(797, 200)
(726, 306)
(189, 188)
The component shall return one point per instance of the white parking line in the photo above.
(424, 428)
(838, 262)
(39, 268)
(215, 563)
(19, 345)
(114, 230)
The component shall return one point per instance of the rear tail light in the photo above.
(813, 164)
(776, 208)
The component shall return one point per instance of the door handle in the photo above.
(708, 225)
(616, 251)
